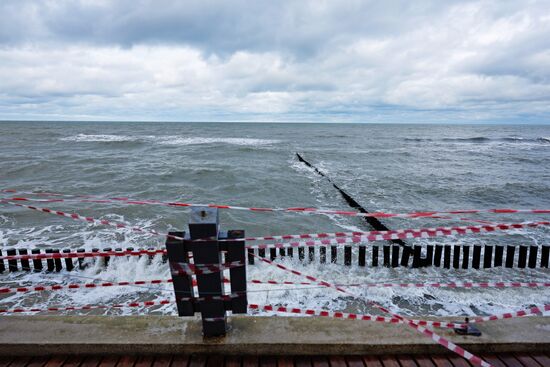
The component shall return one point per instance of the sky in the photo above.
(281, 61)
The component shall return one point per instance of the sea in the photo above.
(385, 167)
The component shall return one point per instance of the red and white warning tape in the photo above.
(361, 237)
(57, 287)
(98, 199)
(323, 313)
(339, 237)
(508, 315)
(421, 285)
(93, 220)
(394, 320)
(86, 307)
(435, 337)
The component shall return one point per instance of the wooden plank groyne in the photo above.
(458, 256)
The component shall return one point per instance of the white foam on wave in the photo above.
(409, 301)
(100, 138)
(169, 140)
(179, 140)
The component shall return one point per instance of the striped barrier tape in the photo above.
(339, 237)
(435, 337)
(57, 287)
(103, 201)
(421, 285)
(323, 313)
(86, 307)
(467, 285)
(419, 214)
(479, 319)
(93, 220)
(371, 236)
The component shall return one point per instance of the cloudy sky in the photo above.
(348, 61)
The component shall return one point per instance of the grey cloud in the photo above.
(298, 27)
(286, 60)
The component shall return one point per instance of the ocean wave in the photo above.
(484, 139)
(202, 140)
(167, 140)
(101, 138)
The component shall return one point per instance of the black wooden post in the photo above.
(301, 253)
(477, 257)
(290, 252)
(456, 256)
(25, 265)
(510, 251)
(68, 261)
(250, 254)
(395, 256)
(499, 251)
(428, 261)
(12, 264)
(362, 255)
(447, 257)
(522, 258)
(272, 253)
(323, 254)
(386, 251)
(347, 255)
(417, 256)
(407, 252)
(37, 263)
(57, 262)
(545, 252)
(106, 259)
(80, 259)
(235, 253)
(182, 282)
(333, 254)
(311, 252)
(465, 256)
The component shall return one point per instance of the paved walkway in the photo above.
(500, 360)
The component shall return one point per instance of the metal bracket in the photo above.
(470, 330)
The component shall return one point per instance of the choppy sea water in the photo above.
(397, 168)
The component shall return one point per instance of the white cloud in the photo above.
(311, 61)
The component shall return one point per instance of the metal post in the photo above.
(206, 242)
(204, 224)
(183, 283)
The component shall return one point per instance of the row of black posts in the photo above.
(39, 265)
(446, 256)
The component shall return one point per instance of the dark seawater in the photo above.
(396, 168)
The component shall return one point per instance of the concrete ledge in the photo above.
(45, 335)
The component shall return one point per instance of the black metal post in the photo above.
(204, 223)
(183, 283)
